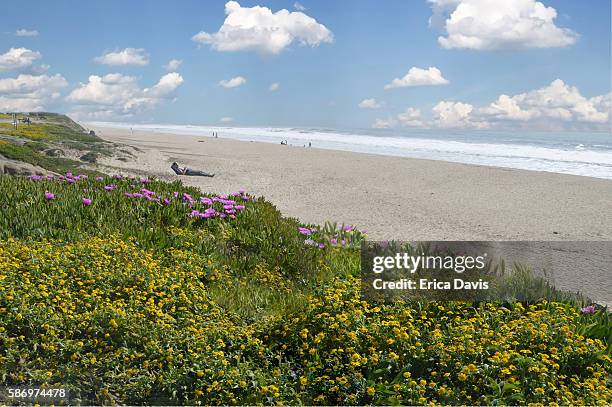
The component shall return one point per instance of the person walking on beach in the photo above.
(188, 171)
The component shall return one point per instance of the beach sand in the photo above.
(393, 197)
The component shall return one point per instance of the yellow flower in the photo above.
(371, 391)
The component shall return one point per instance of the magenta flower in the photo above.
(321, 246)
(86, 201)
(239, 207)
(166, 201)
(99, 178)
(49, 196)
(110, 187)
(588, 310)
(305, 231)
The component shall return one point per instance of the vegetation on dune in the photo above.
(129, 290)
(46, 138)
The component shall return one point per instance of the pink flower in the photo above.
(305, 231)
(86, 201)
(99, 178)
(49, 196)
(588, 310)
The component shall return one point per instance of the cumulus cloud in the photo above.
(555, 106)
(116, 95)
(26, 33)
(274, 87)
(493, 24)
(557, 101)
(232, 83)
(448, 114)
(370, 104)
(29, 93)
(298, 6)
(411, 117)
(18, 58)
(173, 65)
(259, 29)
(226, 119)
(419, 77)
(128, 56)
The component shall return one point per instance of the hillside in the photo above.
(50, 142)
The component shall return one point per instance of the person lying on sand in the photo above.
(188, 171)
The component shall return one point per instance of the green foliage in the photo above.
(128, 300)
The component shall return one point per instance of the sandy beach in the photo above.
(390, 197)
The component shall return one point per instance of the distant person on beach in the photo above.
(309, 144)
(188, 171)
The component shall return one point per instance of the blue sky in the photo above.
(354, 48)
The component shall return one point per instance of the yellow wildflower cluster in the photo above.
(118, 323)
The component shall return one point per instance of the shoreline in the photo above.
(500, 153)
(391, 197)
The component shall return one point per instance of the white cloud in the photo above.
(419, 77)
(493, 24)
(259, 29)
(17, 58)
(370, 104)
(173, 65)
(274, 87)
(298, 6)
(116, 95)
(226, 119)
(555, 106)
(556, 101)
(448, 114)
(26, 33)
(29, 93)
(128, 56)
(232, 83)
(411, 117)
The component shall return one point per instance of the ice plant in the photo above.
(49, 196)
(305, 231)
(86, 201)
(590, 309)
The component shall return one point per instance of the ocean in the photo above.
(585, 154)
